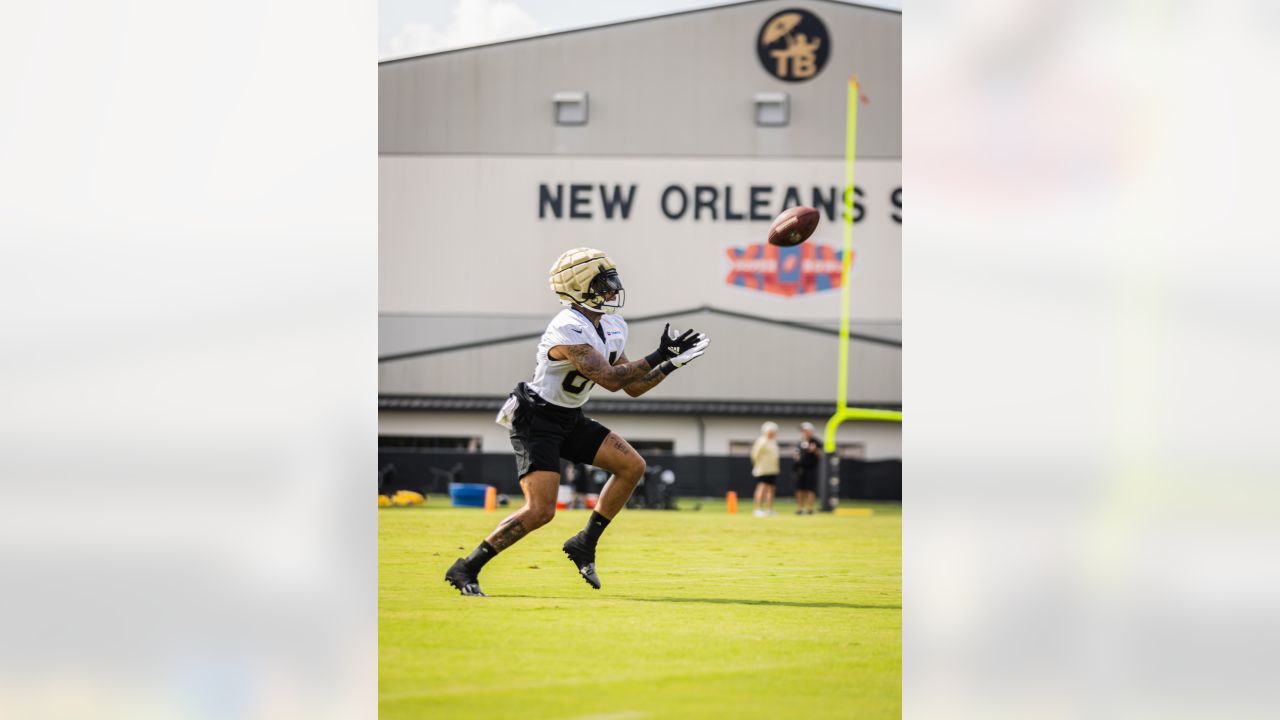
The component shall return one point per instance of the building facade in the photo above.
(670, 143)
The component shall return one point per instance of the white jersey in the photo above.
(558, 381)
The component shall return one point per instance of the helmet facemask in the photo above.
(598, 296)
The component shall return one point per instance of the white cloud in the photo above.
(414, 37)
(473, 22)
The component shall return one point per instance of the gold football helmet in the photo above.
(587, 277)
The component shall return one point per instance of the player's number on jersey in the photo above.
(575, 382)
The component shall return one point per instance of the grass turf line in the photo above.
(702, 614)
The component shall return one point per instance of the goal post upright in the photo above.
(843, 411)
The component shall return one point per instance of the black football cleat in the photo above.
(583, 554)
(463, 579)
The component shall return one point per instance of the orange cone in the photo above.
(490, 498)
(731, 502)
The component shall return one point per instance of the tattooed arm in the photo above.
(597, 369)
(646, 383)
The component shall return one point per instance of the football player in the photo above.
(582, 347)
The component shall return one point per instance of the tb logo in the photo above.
(793, 45)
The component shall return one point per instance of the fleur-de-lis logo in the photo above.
(793, 45)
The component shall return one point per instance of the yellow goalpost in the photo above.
(843, 411)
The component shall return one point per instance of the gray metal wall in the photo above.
(673, 86)
(747, 360)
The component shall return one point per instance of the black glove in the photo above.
(669, 346)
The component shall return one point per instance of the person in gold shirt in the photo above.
(764, 468)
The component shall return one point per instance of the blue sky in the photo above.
(407, 27)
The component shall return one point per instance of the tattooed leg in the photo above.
(507, 533)
(540, 489)
(618, 457)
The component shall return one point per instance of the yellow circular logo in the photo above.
(793, 45)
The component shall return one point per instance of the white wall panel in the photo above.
(463, 234)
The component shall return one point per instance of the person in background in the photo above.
(580, 478)
(386, 478)
(808, 454)
(764, 468)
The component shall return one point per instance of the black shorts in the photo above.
(542, 433)
(806, 481)
(768, 479)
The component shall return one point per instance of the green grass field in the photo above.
(702, 615)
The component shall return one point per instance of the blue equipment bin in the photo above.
(467, 494)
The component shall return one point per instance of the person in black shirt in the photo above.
(580, 478)
(807, 456)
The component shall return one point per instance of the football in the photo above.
(793, 226)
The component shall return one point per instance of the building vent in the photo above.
(571, 108)
(772, 109)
